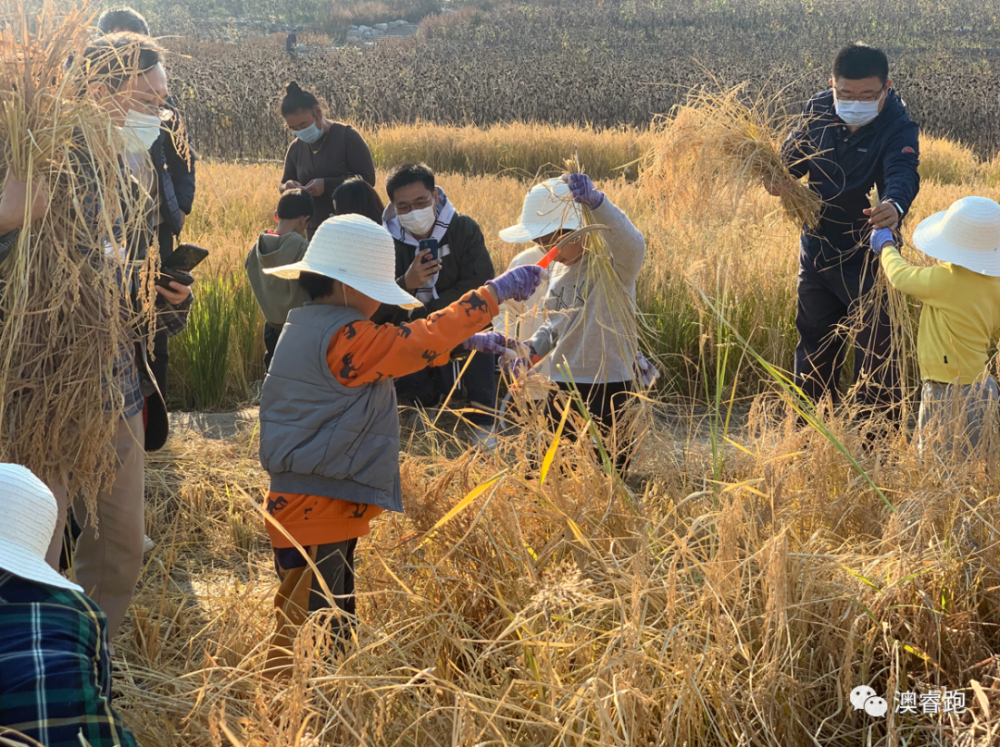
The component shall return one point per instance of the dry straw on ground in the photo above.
(62, 297)
(739, 609)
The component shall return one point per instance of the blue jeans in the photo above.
(430, 386)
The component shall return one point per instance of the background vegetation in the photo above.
(603, 63)
(747, 252)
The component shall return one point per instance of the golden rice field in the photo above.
(694, 241)
(732, 592)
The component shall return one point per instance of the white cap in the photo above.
(29, 520)
(356, 251)
(548, 207)
(966, 234)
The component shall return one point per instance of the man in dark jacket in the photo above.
(852, 138)
(419, 210)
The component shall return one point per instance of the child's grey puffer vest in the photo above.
(317, 436)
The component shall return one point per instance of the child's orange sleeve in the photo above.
(365, 352)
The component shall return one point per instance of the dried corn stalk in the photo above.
(64, 288)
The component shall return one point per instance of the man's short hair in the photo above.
(409, 173)
(114, 59)
(123, 19)
(316, 286)
(859, 61)
(295, 203)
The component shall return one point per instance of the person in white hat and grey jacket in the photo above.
(329, 434)
(55, 671)
(590, 329)
(959, 322)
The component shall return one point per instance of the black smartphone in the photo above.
(428, 245)
(185, 257)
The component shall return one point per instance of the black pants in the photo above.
(271, 335)
(430, 386)
(606, 402)
(833, 295)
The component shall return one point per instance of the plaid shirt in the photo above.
(172, 319)
(55, 674)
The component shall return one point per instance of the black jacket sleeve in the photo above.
(902, 157)
(793, 151)
(180, 166)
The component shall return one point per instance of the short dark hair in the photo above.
(295, 203)
(408, 173)
(115, 58)
(317, 286)
(859, 61)
(123, 19)
(297, 100)
(356, 196)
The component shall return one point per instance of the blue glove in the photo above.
(584, 192)
(880, 238)
(518, 284)
(493, 343)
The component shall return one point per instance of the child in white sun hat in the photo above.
(329, 435)
(55, 670)
(959, 321)
(584, 329)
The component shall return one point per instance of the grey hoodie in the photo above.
(275, 295)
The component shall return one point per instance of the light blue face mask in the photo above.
(309, 134)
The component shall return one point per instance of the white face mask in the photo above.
(140, 131)
(419, 222)
(858, 113)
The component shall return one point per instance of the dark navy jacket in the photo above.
(843, 167)
(176, 177)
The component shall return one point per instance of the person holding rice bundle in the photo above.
(591, 334)
(125, 77)
(855, 136)
(329, 434)
(959, 322)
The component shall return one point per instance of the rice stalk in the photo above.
(715, 136)
(67, 321)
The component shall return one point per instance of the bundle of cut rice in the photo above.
(717, 136)
(66, 319)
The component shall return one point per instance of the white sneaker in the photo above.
(147, 545)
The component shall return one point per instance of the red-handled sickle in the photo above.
(569, 238)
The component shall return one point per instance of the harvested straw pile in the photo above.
(717, 136)
(64, 318)
(739, 602)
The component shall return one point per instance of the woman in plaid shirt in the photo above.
(55, 673)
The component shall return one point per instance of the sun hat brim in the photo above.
(14, 560)
(930, 237)
(522, 233)
(381, 291)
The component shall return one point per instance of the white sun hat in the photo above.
(29, 521)
(548, 208)
(356, 251)
(966, 234)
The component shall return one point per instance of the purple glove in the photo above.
(515, 366)
(493, 343)
(645, 371)
(584, 191)
(880, 238)
(517, 284)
